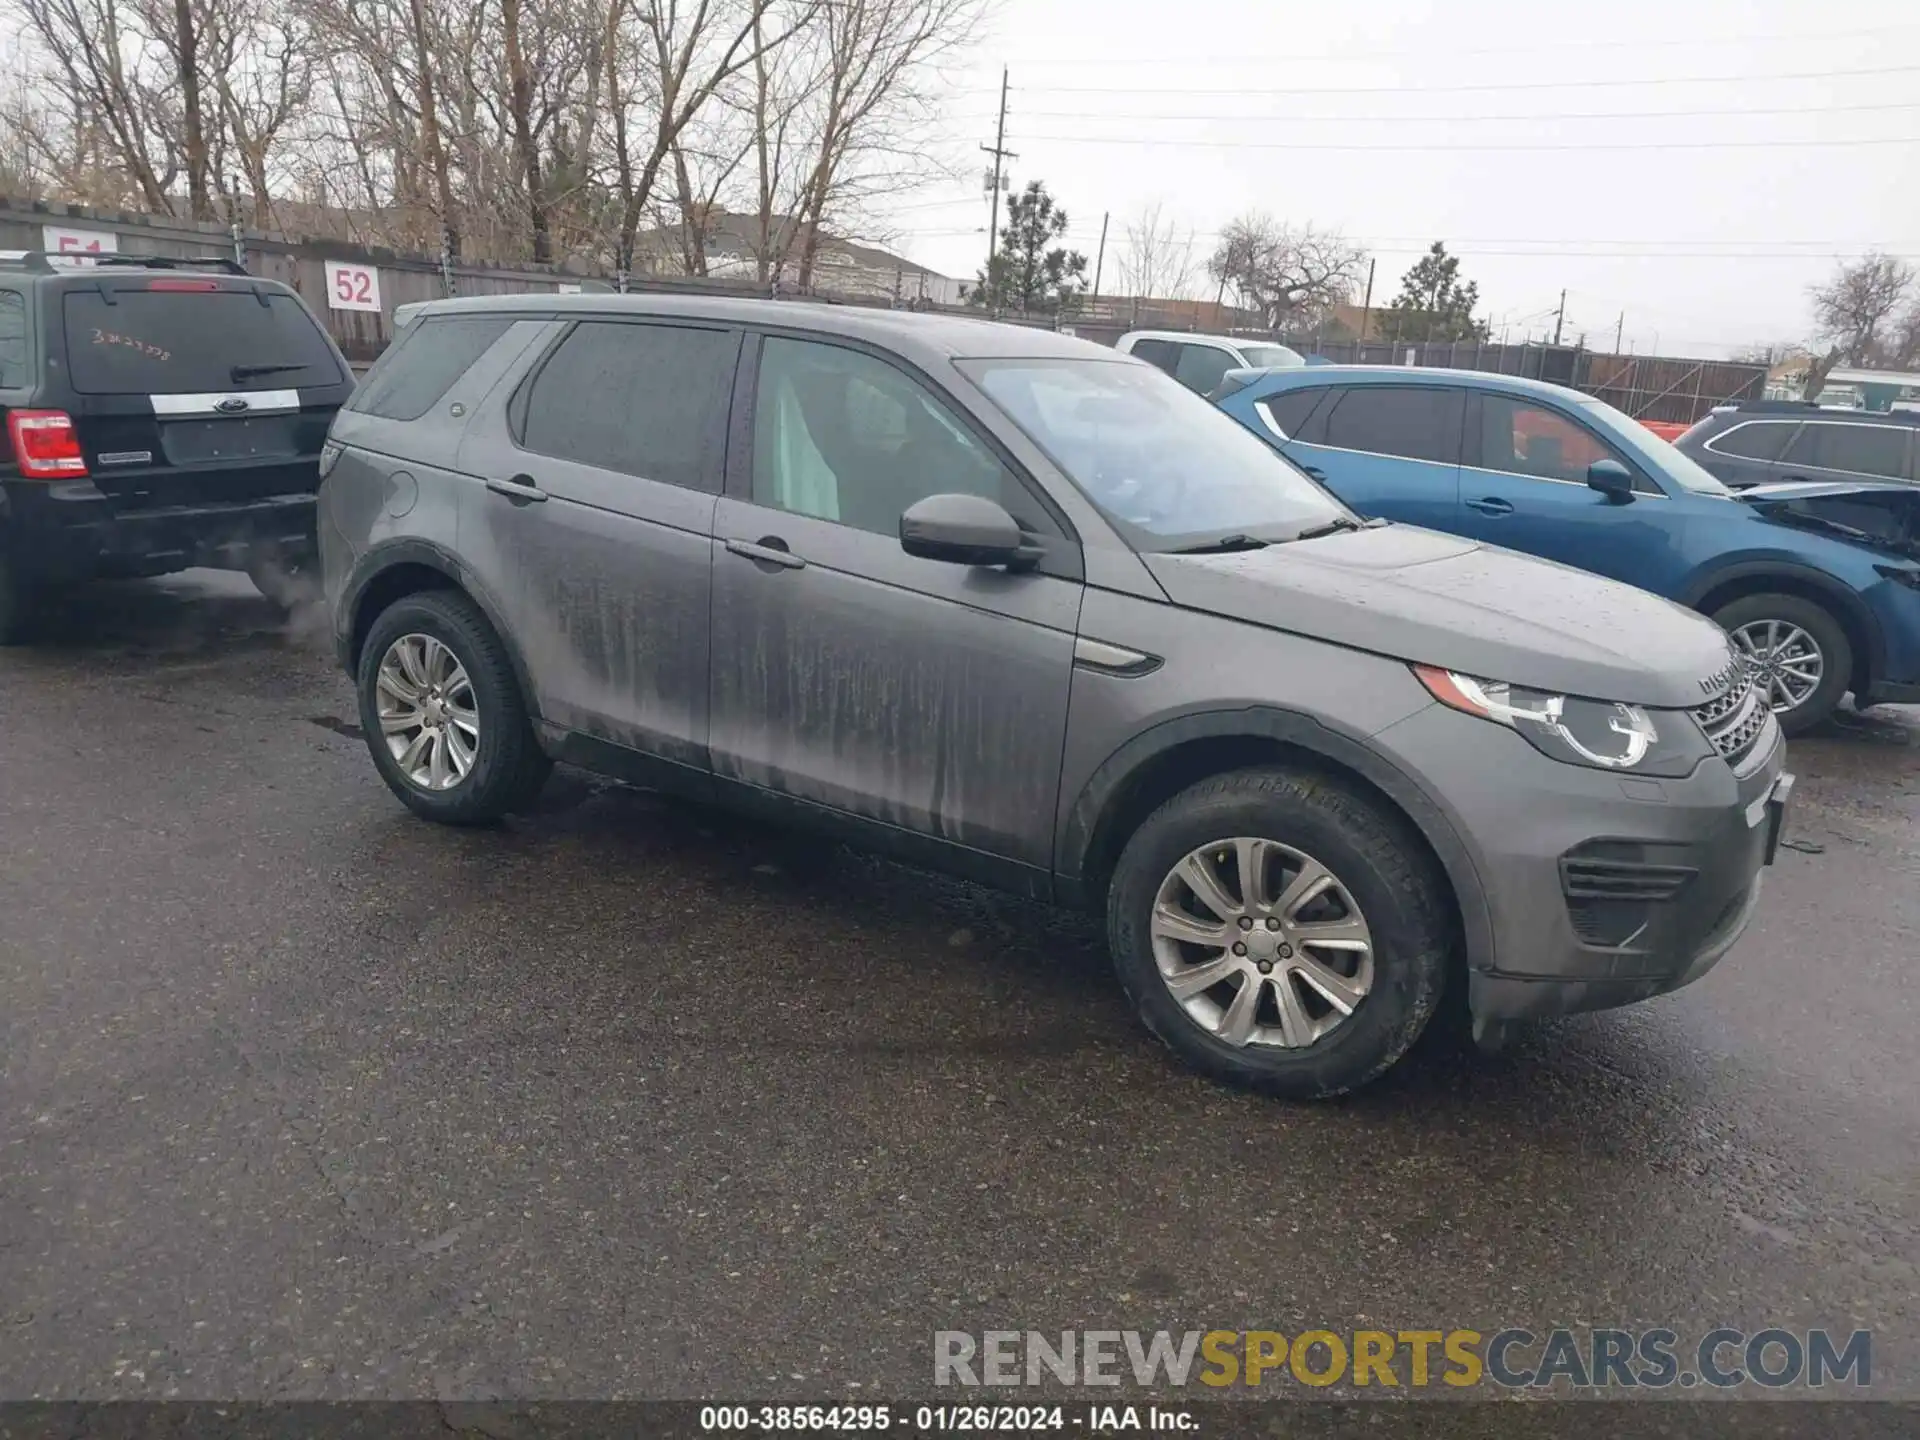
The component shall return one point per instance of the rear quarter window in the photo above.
(13, 341)
(129, 340)
(423, 365)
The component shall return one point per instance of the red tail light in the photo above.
(183, 285)
(45, 445)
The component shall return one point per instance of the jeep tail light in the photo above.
(45, 445)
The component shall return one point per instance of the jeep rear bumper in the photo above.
(67, 531)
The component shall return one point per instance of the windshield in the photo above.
(1164, 465)
(1271, 357)
(1666, 462)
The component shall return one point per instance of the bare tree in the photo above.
(868, 107)
(101, 66)
(1291, 276)
(1850, 309)
(542, 128)
(686, 50)
(1157, 259)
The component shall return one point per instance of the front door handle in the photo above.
(1314, 470)
(768, 550)
(1491, 505)
(520, 489)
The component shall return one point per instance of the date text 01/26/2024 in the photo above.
(975, 1419)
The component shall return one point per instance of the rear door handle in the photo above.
(768, 550)
(1491, 505)
(1314, 470)
(520, 489)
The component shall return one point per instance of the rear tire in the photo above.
(505, 765)
(1310, 1037)
(1766, 624)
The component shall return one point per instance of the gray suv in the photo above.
(1007, 604)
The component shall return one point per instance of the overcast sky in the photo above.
(1498, 126)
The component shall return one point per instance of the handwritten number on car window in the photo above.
(131, 342)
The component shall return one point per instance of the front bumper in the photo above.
(68, 531)
(1602, 889)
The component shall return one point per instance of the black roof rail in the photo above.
(40, 262)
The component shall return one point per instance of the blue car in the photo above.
(1818, 583)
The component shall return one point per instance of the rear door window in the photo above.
(1857, 449)
(135, 340)
(644, 400)
(1755, 439)
(1200, 367)
(1414, 422)
(429, 357)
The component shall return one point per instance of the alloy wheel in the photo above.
(429, 718)
(1260, 943)
(1785, 661)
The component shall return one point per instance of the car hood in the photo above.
(1435, 599)
(1824, 489)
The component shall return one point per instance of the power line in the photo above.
(1402, 89)
(1297, 148)
(1716, 42)
(1467, 250)
(1243, 117)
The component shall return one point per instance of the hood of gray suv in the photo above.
(1435, 599)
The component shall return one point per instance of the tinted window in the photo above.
(173, 342)
(13, 340)
(1413, 422)
(1289, 410)
(843, 436)
(1862, 449)
(423, 366)
(1200, 367)
(1754, 440)
(1155, 352)
(646, 400)
(1531, 440)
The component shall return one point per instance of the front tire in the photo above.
(1278, 930)
(443, 714)
(1800, 654)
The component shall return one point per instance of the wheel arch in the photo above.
(409, 567)
(1166, 758)
(1722, 586)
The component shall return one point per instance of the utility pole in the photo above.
(1000, 154)
(1561, 318)
(1618, 331)
(1366, 306)
(1100, 259)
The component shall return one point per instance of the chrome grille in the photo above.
(1736, 720)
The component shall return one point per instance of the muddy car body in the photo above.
(1012, 606)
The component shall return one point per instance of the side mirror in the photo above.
(963, 530)
(1611, 479)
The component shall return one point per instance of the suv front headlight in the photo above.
(1600, 734)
